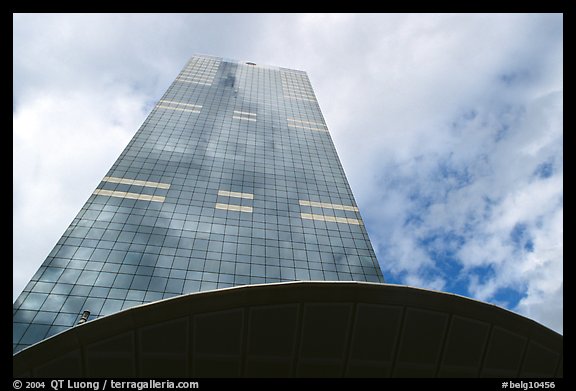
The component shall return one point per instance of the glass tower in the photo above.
(232, 179)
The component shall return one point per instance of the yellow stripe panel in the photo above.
(133, 196)
(136, 182)
(328, 205)
(235, 194)
(332, 219)
(235, 208)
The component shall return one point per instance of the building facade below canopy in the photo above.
(302, 329)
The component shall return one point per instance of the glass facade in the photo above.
(232, 179)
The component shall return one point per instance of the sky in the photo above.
(449, 128)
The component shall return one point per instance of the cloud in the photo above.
(449, 128)
(466, 170)
(63, 143)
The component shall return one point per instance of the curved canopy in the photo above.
(302, 329)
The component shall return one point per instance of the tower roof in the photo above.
(303, 329)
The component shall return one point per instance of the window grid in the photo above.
(120, 252)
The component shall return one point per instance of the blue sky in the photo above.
(449, 128)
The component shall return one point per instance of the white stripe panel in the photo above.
(235, 208)
(328, 205)
(244, 113)
(177, 108)
(306, 122)
(137, 182)
(173, 102)
(244, 118)
(307, 127)
(133, 196)
(331, 219)
(192, 82)
(235, 194)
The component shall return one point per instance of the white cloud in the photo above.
(63, 144)
(441, 122)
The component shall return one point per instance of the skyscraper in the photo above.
(231, 180)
